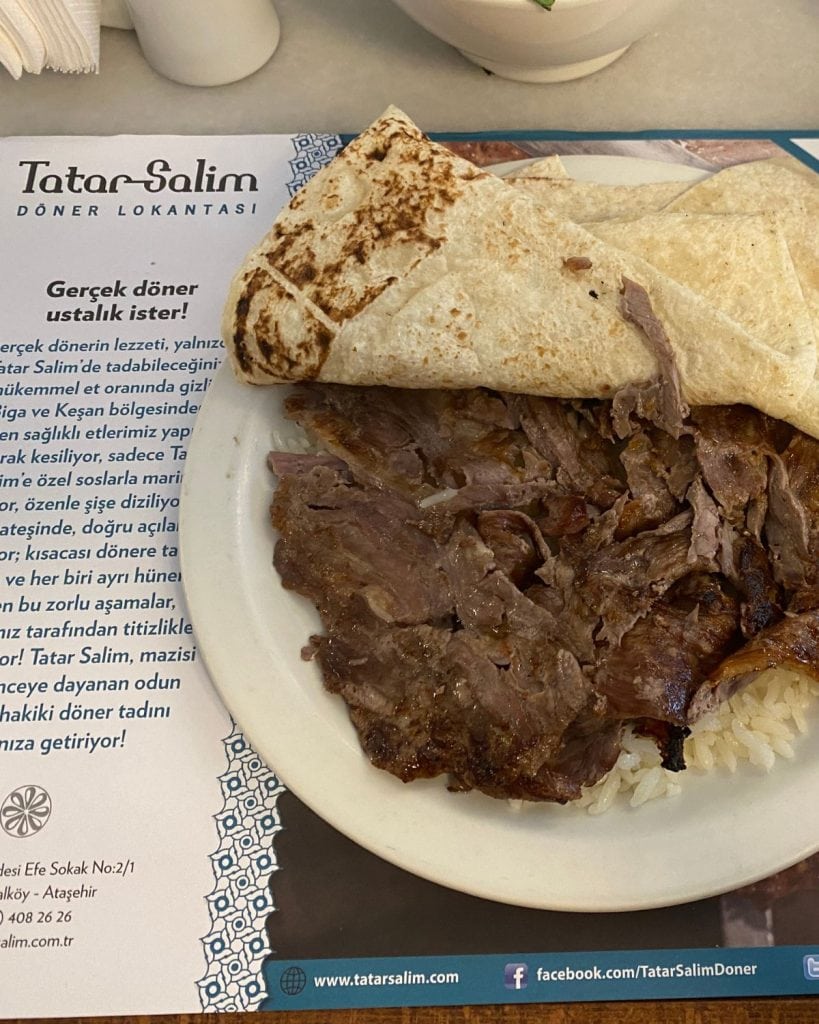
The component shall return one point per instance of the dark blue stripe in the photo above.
(782, 137)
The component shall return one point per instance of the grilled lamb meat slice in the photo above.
(487, 600)
(392, 680)
(705, 528)
(485, 496)
(664, 657)
(516, 714)
(570, 618)
(792, 523)
(659, 400)
(337, 539)
(587, 752)
(414, 441)
(802, 460)
(427, 701)
(368, 431)
(562, 514)
(733, 444)
(744, 561)
(622, 581)
(516, 543)
(760, 606)
(470, 569)
(788, 529)
(582, 461)
(791, 643)
(565, 594)
(648, 475)
(282, 463)
(535, 731)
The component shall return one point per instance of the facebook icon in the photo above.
(516, 976)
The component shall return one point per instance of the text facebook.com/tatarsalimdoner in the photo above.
(518, 975)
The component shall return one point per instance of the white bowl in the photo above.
(521, 40)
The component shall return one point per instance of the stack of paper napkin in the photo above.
(60, 34)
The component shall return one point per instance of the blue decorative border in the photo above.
(313, 151)
(240, 901)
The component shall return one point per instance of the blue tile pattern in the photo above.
(236, 945)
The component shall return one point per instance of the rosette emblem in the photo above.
(25, 811)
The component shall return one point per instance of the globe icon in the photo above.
(292, 981)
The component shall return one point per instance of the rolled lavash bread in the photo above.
(585, 201)
(746, 239)
(739, 263)
(786, 190)
(709, 253)
(401, 264)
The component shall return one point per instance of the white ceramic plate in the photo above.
(612, 170)
(722, 832)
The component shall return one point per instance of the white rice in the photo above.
(293, 441)
(758, 725)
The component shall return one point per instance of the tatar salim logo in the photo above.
(159, 176)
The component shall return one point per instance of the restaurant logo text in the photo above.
(159, 176)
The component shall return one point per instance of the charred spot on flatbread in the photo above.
(254, 283)
(388, 219)
(301, 359)
(305, 360)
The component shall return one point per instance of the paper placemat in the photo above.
(139, 832)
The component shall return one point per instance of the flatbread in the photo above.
(774, 188)
(582, 201)
(740, 263)
(746, 271)
(790, 194)
(401, 264)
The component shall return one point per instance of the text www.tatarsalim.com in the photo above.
(404, 978)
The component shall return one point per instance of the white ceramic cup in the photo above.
(114, 14)
(205, 42)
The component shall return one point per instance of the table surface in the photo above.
(714, 1011)
(713, 64)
